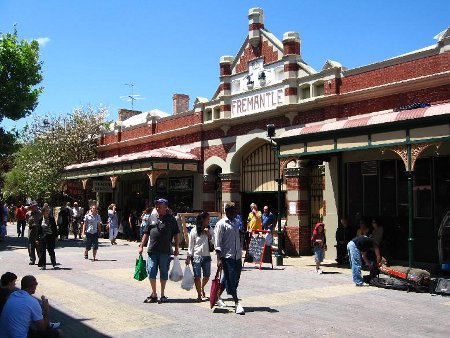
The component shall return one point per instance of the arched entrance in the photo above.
(258, 174)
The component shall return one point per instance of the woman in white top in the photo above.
(113, 223)
(199, 248)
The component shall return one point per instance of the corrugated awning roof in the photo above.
(161, 153)
(371, 119)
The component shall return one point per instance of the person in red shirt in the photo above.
(21, 214)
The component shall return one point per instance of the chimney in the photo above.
(127, 113)
(255, 23)
(180, 103)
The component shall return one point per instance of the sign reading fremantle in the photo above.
(257, 102)
(259, 90)
(102, 186)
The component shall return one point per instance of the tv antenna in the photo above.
(132, 97)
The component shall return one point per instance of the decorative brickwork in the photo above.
(255, 26)
(225, 86)
(219, 151)
(225, 69)
(242, 129)
(250, 53)
(291, 47)
(230, 186)
(291, 67)
(290, 91)
(225, 107)
(296, 179)
(298, 240)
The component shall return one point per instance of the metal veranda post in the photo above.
(279, 180)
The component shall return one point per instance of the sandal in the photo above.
(151, 299)
(163, 299)
(85, 256)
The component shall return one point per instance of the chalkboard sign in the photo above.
(188, 221)
(258, 252)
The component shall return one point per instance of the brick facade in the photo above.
(347, 93)
(250, 53)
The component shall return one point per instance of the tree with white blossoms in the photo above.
(49, 144)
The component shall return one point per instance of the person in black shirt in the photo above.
(343, 236)
(161, 231)
(357, 248)
(8, 285)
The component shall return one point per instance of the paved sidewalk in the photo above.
(101, 299)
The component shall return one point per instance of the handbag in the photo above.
(140, 271)
(210, 246)
(215, 288)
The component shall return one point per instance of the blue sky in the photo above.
(91, 49)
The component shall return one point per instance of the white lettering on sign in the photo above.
(257, 102)
(102, 186)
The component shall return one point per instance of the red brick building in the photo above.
(351, 143)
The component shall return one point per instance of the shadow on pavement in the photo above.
(74, 328)
(230, 309)
(259, 309)
(181, 300)
(13, 243)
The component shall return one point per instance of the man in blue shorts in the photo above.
(160, 231)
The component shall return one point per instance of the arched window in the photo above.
(259, 170)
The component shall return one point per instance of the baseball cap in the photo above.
(161, 200)
(33, 203)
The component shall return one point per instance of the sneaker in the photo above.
(54, 325)
(239, 309)
(362, 284)
(220, 303)
(319, 271)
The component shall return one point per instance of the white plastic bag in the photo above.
(188, 279)
(176, 273)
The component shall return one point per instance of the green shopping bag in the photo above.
(140, 271)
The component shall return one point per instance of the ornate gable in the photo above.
(268, 50)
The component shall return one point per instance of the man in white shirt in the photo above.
(229, 254)
(92, 226)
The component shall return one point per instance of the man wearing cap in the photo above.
(161, 230)
(34, 217)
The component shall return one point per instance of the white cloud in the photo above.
(43, 41)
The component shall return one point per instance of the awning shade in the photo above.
(371, 119)
(161, 153)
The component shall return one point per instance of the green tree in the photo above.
(20, 74)
(48, 145)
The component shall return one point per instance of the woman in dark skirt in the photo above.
(47, 234)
